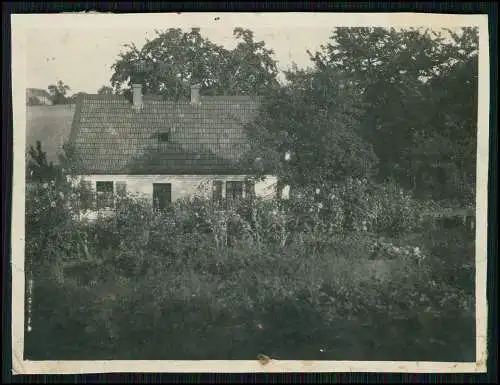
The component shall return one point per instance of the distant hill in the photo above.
(51, 125)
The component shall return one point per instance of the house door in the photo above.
(162, 195)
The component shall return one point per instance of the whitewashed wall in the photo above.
(182, 185)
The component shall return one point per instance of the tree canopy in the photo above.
(58, 92)
(174, 60)
(38, 168)
(105, 90)
(376, 102)
(404, 100)
(308, 132)
(420, 95)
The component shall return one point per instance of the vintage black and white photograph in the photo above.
(266, 192)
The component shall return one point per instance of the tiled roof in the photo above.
(110, 137)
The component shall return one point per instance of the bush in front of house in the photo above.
(201, 281)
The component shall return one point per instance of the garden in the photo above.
(378, 133)
(362, 275)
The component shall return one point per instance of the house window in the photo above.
(162, 195)
(234, 190)
(104, 195)
(217, 191)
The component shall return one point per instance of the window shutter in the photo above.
(249, 189)
(86, 195)
(121, 189)
(217, 191)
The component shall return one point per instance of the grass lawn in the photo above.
(205, 315)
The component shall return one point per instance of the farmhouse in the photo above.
(36, 96)
(162, 149)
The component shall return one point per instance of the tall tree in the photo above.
(38, 168)
(58, 92)
(413, 83)
(249, 68)
(449, 147)
(170, 63)
(308, 132)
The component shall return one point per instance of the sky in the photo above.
(79, 49)
(82, 57)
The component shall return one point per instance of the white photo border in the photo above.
(21, 22)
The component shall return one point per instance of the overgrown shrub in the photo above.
(145, 282)
(357, 205)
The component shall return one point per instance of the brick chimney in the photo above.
(137, 96)
(195, 94)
